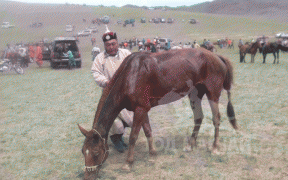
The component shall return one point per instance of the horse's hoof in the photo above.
(126, 168)
(215, 151)
(187, 148)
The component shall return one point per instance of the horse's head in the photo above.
(95, 151)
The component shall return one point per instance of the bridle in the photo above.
(93, 168)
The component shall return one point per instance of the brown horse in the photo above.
(209, 47)
(146, 80)
(272, 48)
(250, 49)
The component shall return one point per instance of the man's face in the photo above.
(111, 47)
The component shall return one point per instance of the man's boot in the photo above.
(123, 143)
(116, 140)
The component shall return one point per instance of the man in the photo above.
(39, 55)
(72, 62)
(95, 51)
(22, 51)
(103, 68)
(240, 42)
(31, 53)
(196, 45)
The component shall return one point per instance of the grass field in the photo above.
(40, 111)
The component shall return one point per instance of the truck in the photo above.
(7, 25)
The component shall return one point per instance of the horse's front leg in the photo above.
(139, 115)
(264, 58)
(274, 58)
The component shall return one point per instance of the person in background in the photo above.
(95, 51)
(196, 45)
(72, 62)
(38, 54)
(103, 68)
(31, 53)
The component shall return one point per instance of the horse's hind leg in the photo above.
(214, 103)
(195, 102)
(148, 133)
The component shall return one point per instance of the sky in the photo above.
(119, 3)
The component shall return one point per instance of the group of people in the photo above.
(24, 53)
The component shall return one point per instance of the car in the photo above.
(36, 25)
(7, 25)
(156, 20)
(163, 41)
(162, 20)
(93, 29)
(192, 21)
(69, 28)
(46, 51)
(129, 21)
(59, 48)
(86, 32)
(169, 20)
(281, 35)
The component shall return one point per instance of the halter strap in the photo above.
(93, 168)
(99, 135)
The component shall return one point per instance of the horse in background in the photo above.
(145, 80)
(272, 48)
(209, 47)
(250, 48)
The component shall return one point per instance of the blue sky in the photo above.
(119, 3)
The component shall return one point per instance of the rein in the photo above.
(93, 168)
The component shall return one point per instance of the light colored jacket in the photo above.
(104, 66)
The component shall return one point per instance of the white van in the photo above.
(69, 28)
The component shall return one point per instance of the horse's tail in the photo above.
(228, 81)
(283, 48)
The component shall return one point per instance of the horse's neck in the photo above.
(108, 109)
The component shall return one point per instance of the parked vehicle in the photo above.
(119, 21)
(36, 25)
(169, 20)
(86, 32)
(60, 47)
(192, 21)
(281, 35)
(105, 19)
(162, 20)
(69, 28)
(163, 41)
(46, 51)
(93, 29)
(6, 65)
(6, 25)
(129, 21)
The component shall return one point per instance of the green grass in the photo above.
(40, 111)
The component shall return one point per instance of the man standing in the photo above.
(103, 68)
(39, 55)
(31, 53)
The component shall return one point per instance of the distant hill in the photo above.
(276, 9)
(265, 8)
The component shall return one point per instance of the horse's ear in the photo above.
(83, 131)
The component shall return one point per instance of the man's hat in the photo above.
(108, 35)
